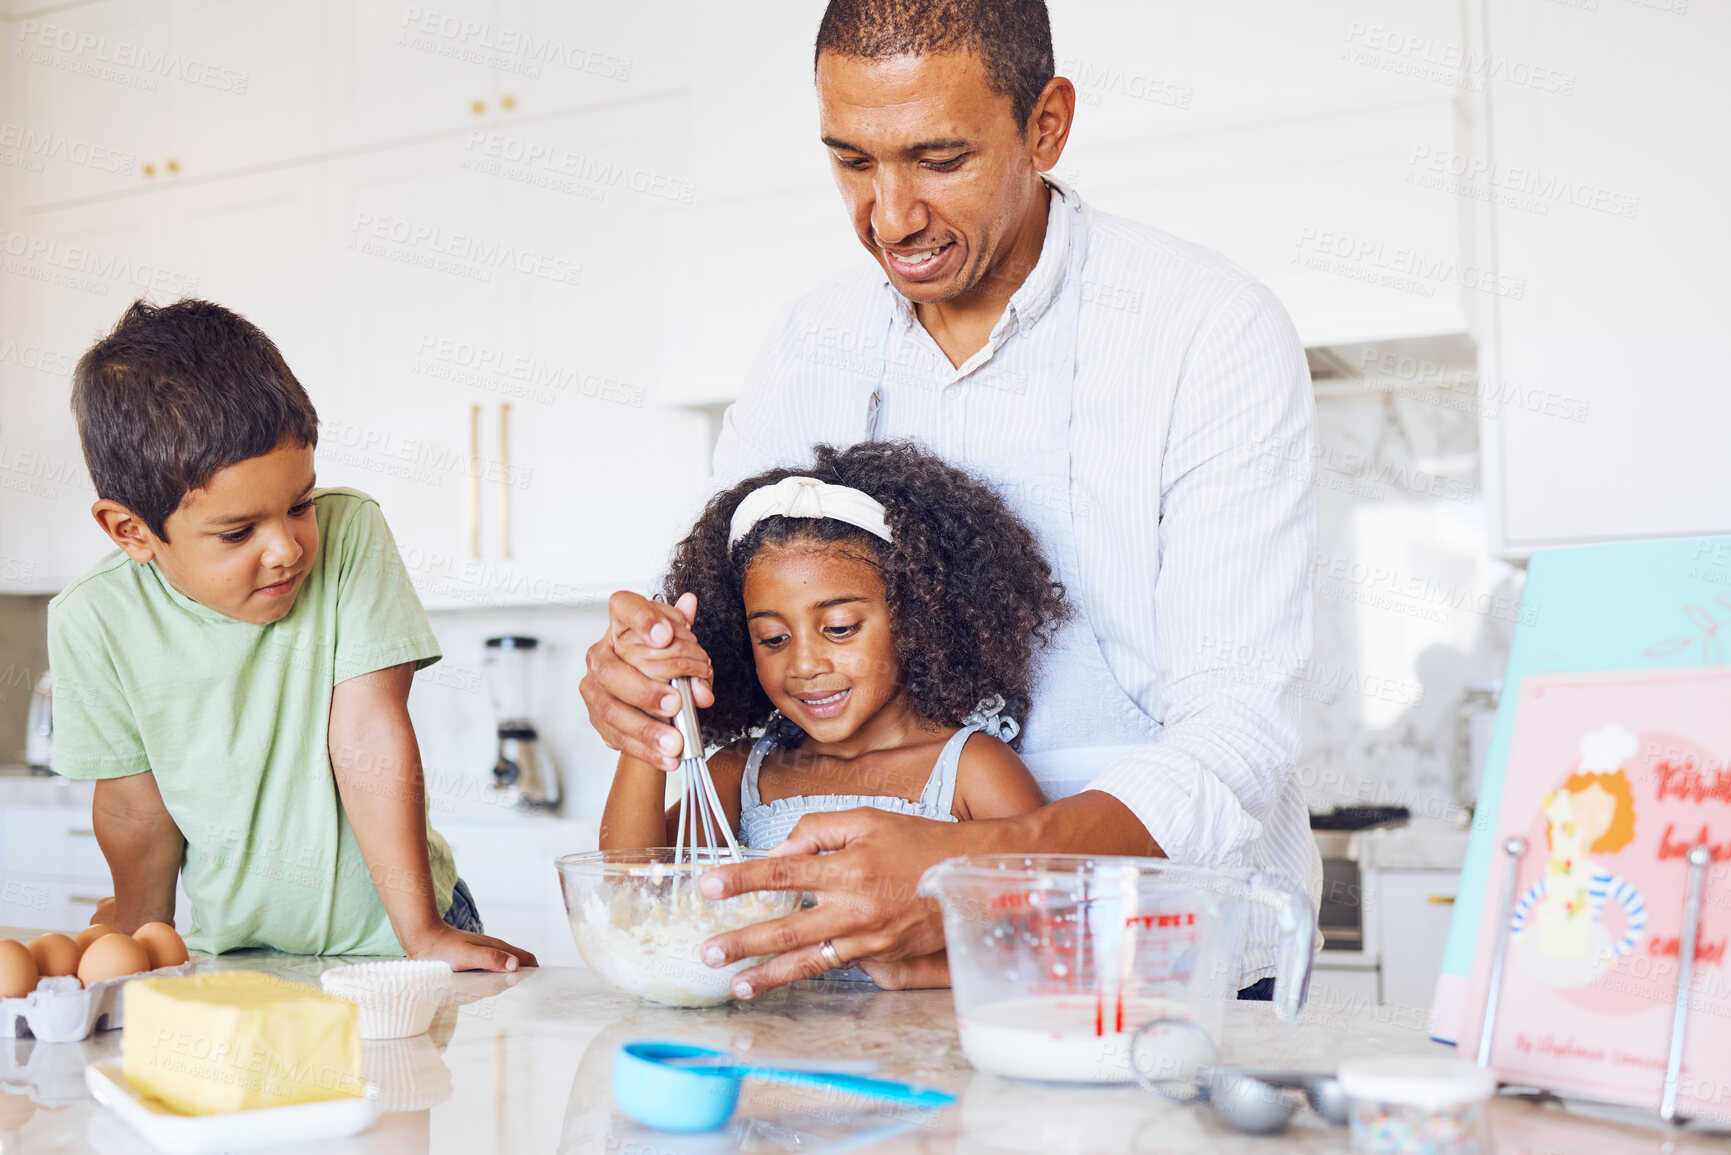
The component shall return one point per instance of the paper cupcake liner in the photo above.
(396, 999)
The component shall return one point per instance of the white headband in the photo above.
(808, 497)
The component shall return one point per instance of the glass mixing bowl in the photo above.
(639, 920)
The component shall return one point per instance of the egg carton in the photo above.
(61, 1011)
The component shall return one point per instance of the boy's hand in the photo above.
(469, 952)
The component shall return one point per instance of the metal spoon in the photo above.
(1321, 1091)
(1255, 1102)
(1244, 1103)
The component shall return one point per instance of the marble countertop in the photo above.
(522, 1063)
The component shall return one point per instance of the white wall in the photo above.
(1615, 222)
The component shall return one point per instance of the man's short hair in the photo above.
(177, 392)
(1012, 37)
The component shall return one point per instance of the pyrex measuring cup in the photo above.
(1057, 959)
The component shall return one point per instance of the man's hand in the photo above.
(867, 890)
(647, 644)
(867, 900)
(468, 952)
(913, 974)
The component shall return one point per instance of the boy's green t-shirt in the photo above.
(233, 720)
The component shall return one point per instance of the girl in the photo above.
(866, 618)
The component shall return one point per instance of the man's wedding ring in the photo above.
(827, 950)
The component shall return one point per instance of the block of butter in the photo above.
(236, 1040)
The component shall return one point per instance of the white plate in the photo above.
(231, 1130)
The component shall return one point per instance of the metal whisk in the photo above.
(700, 812)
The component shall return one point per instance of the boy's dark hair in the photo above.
(970, 594)
(177, 392)
(1012, 37)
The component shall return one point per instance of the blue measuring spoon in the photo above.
(679, 1087)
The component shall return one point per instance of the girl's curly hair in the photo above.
(970, 593)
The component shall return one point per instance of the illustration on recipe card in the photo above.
(1561, 937)
(1612, 778)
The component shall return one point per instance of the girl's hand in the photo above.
(647, 644)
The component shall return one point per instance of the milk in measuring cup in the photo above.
(1077, 1038)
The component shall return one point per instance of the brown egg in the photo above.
(15, 1111)
(110, 957)
(55, 955)
(93, 932)
(17, 969)
(161, 943)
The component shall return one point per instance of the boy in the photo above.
(236, 675)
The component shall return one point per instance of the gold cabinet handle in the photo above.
(83, 899)
(80, 832)
(1441, 900)
(474, 481)
(505, 479)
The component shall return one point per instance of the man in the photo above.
(1126, 392)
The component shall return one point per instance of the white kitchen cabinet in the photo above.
(251, 89)
(394, 423)
(165, 94)
(1335, 988)
(595, 55)
(1413, 908)
(407, 73)
(461, 288)
(1319, 204)
(249, 242)
(401, 72)
(1610, 210)
(89, 136)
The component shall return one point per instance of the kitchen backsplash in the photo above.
(1410, 605)
(23, 659)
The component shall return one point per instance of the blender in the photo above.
(523, 770)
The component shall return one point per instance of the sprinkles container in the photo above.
(1418, 1105)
